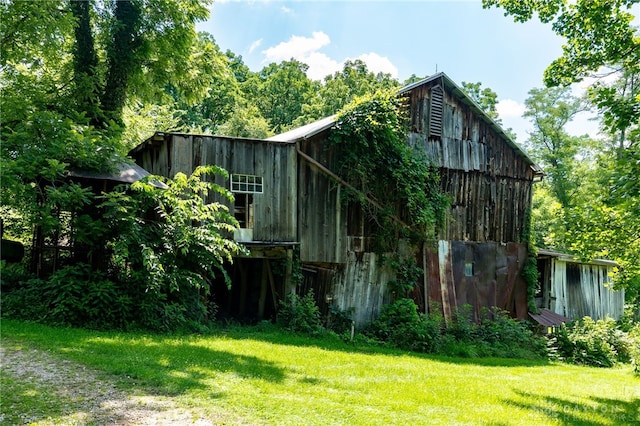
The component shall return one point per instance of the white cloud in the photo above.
(298, 47)
(509, 108)
(376, 63)
(286, 10)
(255, 45)
(307, 50)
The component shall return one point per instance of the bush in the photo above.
(400, 325)
(73, 296)
(634, 353)
(300, 314)
(596, 343)
(340, 321)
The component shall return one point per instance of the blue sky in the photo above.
(418, 37)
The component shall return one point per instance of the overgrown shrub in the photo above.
(634, 353)
(402, 326)
(338, 320)
(74, 296)
(300, 314)
(596, 343)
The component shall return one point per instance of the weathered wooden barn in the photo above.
(575, 289)
(288, 198)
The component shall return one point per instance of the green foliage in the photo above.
(407, 275)
(340, 321)
(400, 325)
(74, 295)
(530, 272)
(597, 33)
(282, 89)
(160, 252)
(595, 343)
(300, 314)
(496, 334)
(393, 182)
(486, 98)
(343, 87)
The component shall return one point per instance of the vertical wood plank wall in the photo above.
(275, 216)
(489, 181)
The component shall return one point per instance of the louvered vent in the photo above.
(436, 112)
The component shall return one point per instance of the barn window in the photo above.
(436, 112)
(243, 210)
(247, 184)
(468, 269)
(243, 188)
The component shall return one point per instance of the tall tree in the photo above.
(280, 91)
(601, 41)
(486, 98)
(342, 87)
(550, 110)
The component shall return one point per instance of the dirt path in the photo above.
(88, 398)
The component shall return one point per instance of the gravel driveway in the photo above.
(92, 399)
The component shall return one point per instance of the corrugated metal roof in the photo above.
(124, 171)
(306, 131)
(573, 259)
(548, 318)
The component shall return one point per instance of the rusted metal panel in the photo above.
(479, 274)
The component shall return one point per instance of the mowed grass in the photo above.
(263, 376)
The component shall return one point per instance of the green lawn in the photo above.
(261, 376)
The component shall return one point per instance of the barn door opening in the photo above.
(255, 291)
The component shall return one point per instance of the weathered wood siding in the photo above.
(488, 179)
(322, 214)
(362, 285)
(275, 217)
(359, 285)
(579, 290)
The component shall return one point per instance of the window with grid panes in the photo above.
(243, 187)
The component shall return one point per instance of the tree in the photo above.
(223, 92)
(600, 41)
(486, 98)
(550, 110)
(339, 89)
(280, 91)
(73, 74)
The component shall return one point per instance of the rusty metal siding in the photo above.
(275, 217)
(495, 280)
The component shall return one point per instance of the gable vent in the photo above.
(436, 110)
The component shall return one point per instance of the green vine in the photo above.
(394, 183)
(530, 272)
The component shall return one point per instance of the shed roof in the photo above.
(548, 318)
(124, 171)
(574, 259)
(316, 127)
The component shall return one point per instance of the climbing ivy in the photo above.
(530, 272)
(393, 182)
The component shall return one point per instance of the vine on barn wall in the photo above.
(530, 272)
(395, 184)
